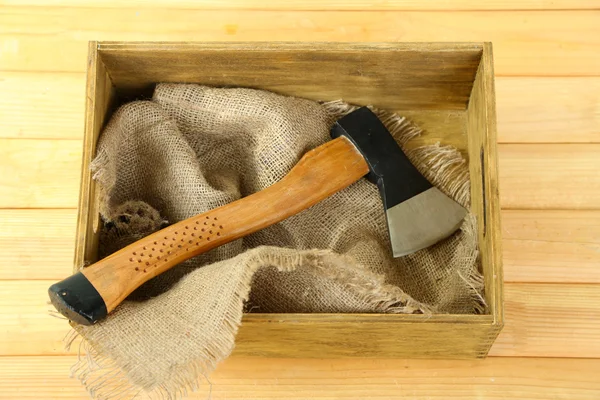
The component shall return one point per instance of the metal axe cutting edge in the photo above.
(418, 216)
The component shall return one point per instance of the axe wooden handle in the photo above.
(320, 173)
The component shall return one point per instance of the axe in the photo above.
(418, 215)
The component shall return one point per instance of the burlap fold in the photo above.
(193, 148)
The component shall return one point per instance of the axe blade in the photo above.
(422, 221)
(418, 214)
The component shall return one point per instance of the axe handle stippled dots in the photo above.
(89, 295)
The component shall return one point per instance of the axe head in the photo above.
(418, 214)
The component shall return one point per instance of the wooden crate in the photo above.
(447, 89)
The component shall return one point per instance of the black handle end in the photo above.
(78, 300)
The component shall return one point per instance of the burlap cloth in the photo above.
(193, 148)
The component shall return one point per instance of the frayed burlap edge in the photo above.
(107, 378)
(474, 280)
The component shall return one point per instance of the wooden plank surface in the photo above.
(502, 378)
(41, 105)
(549, 176)
(27, 326)
(540, 318)
(551, 246)
(322, 5)
(546, 110)
(522, 43)
(39, 173)
(37, 244)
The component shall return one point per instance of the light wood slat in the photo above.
(550, 320)
(540, 320)
(50, 105)
(548, 109)
(45, 173)
(549, 176)
(36, 244)
(383, 5)
(551, 246)
(523, 44)
(39, 173)
(42, 105)
(256, 378)
(26, 324)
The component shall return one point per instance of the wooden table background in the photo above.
(547, 60)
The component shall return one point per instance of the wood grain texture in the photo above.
(523, 44)
(100, 98)
(550, 320)
(322, 5)
(27, 324)
(315, 177)
(359, 73)
(515, 378)
(444, 127)
(45, 105)
(539, 245)
(546, 110)
(539, 320)
(551, 246)
(483, 169)
(550, 176)
(366, 335)
(36, 244)
(39, 173)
